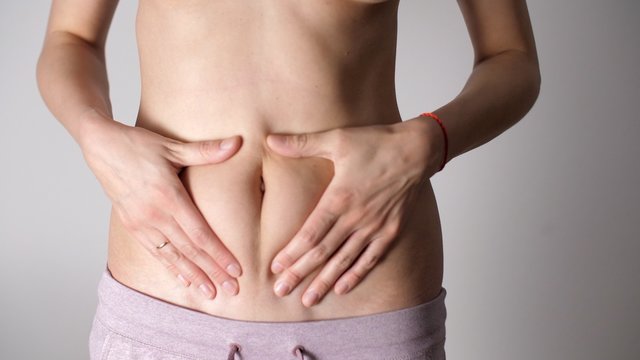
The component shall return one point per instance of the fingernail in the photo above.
(233, 270)
(342, 287)
(183, 280)
(310, 298)
(282, 288)
(276, 267)
(206, 290)
(229, 286)
(226, 144)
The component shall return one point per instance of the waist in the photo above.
(189, 110)
(255, 224)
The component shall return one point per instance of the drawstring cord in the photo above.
(235, 348)
(298, 351)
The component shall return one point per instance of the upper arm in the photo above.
(89, 20)
(496, 26)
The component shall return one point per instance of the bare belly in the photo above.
(255, 227)
(217, 88)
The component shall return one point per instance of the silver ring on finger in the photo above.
(162, 245)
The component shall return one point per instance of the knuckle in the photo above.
(300, 140)
(285, 259)
(356, 275)
(343, 261)
(222, 258)
(323, 285)
(206, 148)
(308, 237)
(191, 275)
(294, 275)
(393, 229)
(216, 273)
(190, 251)
(150, 214)
(373, 228)
(341, 197)
(172, 147)
(370, 261)
(319, 253)
(156, 252)
(329, 217)
(353, 218)
(391, 232)
(199, 236)
(170, 266)
(169, 253)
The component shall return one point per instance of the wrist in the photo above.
(431, 139)
(93, 125)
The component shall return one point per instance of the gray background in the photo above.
(540, 225)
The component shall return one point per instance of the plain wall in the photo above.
(540, 225)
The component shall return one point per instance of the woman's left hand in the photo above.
(378, 170)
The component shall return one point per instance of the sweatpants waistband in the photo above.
(397, 334)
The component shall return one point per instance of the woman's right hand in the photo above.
(138, 169)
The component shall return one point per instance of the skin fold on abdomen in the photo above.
(255, 225)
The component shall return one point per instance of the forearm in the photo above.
(72, 79)
(499, 92)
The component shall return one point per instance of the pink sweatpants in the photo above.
(129, 324)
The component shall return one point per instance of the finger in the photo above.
(184, 266)
(210, 269)
(320, 143)
(173, 255)
(203, 152)
(312, 231)
(367, 261)
(336, 266)
(149, 244)
(171, 267)
(319, 254)
(200, 233)
(192, 272)
(331, 205)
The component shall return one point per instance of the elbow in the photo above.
(531, 77)
(40, 72)
(43, 63)
(535, 82)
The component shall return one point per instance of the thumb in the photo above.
(206, 151)
(301, 145)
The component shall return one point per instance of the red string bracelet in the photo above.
(444, 132)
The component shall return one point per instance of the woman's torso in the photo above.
(213, 69)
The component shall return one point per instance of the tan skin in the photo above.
(344, 199)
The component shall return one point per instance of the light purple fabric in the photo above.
(129, 324)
